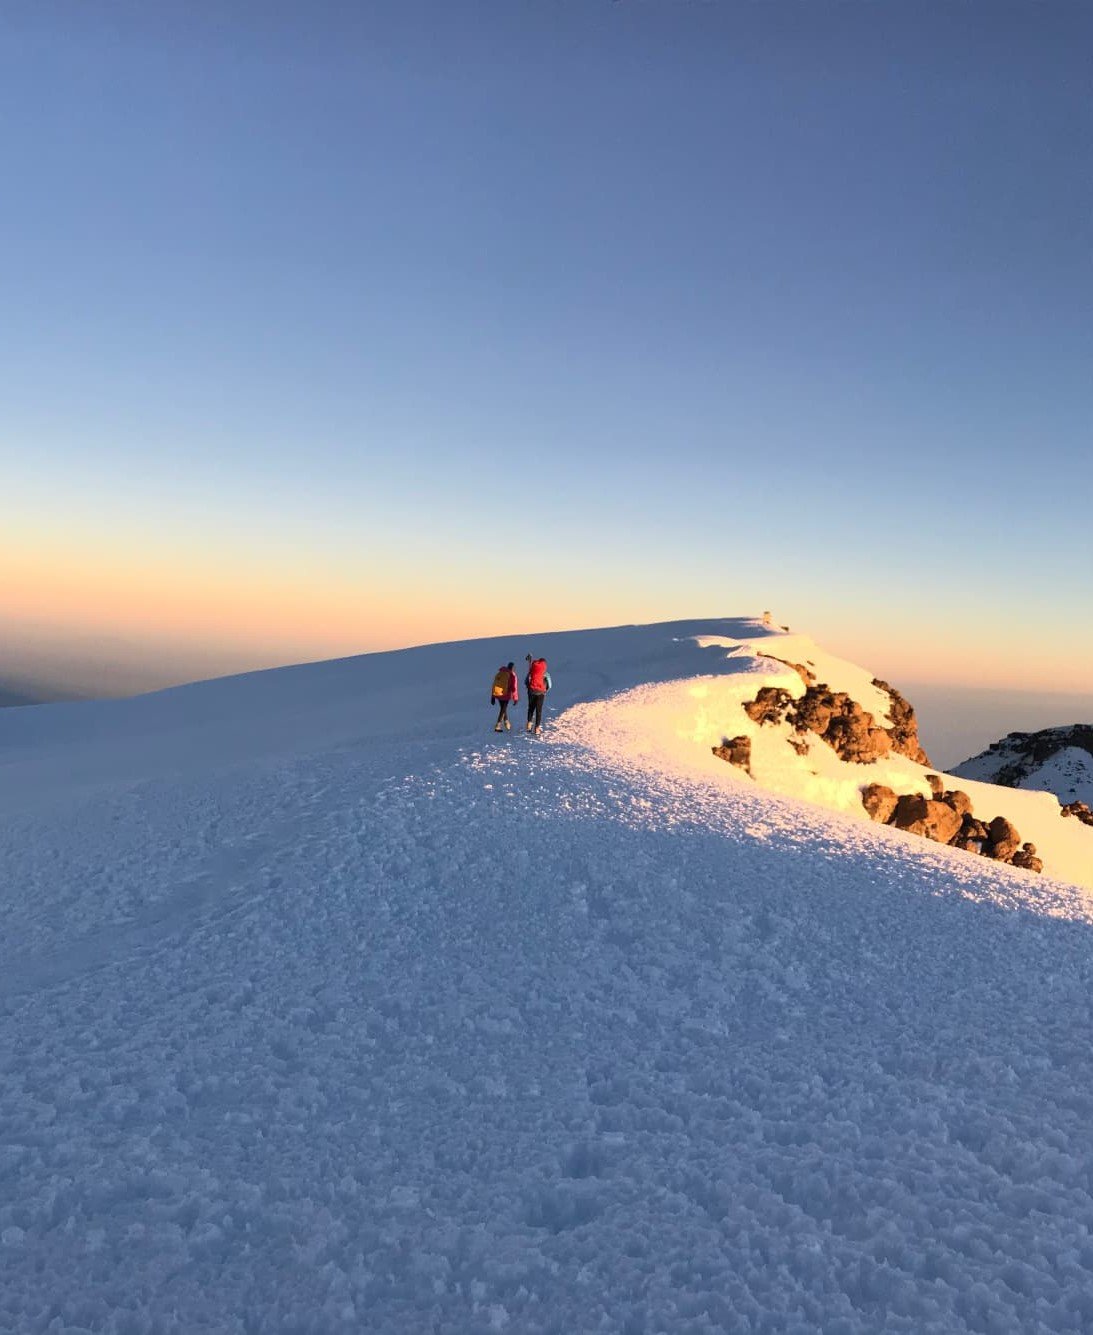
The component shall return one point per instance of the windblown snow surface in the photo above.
(323, 1008)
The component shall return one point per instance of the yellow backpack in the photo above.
(501, 683)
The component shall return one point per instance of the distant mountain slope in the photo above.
(18, 691)
(1053, 760)
(9, 699)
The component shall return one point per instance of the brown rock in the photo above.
(1002, 840)
(849, 730)
(910, 807)
(904, 730)
(769, 706)
(813, 712)
(1026, 858)
(737, 751)
(879, 801)
(960, 802)
(856, 739)
(928, 817)
(944, 822)
(1080, 810)
(972, 834)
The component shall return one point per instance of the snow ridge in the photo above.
(322, 1009)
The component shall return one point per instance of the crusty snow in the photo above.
(323, 1008)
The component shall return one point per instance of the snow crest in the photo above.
(323, 1009)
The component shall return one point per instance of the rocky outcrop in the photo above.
(846, 727)
(854, 735)
(927, 816)
(769, 706)
(972, 834)
(1026, 858)
(947, 818)
(880, 801)
(1002, 840)
(940, 817)
(959, 800)
(904, 729)
(1080, 810)
(737, 751)
(851, 731)
(1031, 749)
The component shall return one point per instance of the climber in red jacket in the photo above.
(537, 683)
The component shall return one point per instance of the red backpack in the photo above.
(537, 676)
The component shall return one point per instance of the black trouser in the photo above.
(503, 712)
(535, 707)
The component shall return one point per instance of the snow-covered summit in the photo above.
(324, 1008)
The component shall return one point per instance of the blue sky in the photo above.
(459, 318)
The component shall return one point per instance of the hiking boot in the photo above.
(497, 727)
(528, 729)
(508, 726)
(538, 731)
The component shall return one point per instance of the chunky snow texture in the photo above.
(324, 1009)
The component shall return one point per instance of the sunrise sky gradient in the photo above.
(339, 327)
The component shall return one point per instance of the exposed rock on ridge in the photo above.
(851, 731)
(737, 751)
(904, 729)
(947, 818)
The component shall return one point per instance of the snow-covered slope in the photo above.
(1053, 760)
(324, 1009)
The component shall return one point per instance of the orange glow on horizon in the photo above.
(241, 610)
(213, 615)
